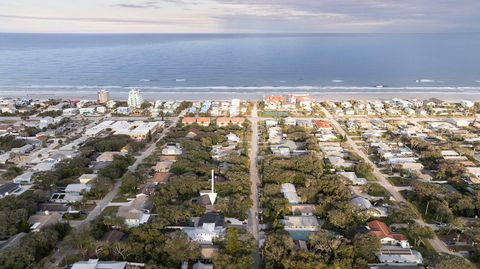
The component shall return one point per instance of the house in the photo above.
(108, 156)
(280, 150)
(123, 110)
(137, 212)
(200, 265)
(140, 131)
(323, 125)
(65, 198)
(290, 121)
(42, 220)
(340, 162)
(87, 111)
(23, 150)
(366, 206)
(9, 189)
(114, 236)
(203, 121)
(191, 134)
(302, 209)
(395, 255)
(25, 178)
(353, 178)
(233, 138)
(459, 122)
(77, 188)
(327, 137)
(273, 102)
(47, 165)
(453, 155)
(474, 174)
(97, 264)
(362, 203)
(210, 226)
(188, 120)
(86, 178)
(467, 103)
(223, 122)
(290, 193)
(5, 157)
(301, 223)
(172, 149)
(381, 230)
(160, 177)
(270, 123)
(45, 122)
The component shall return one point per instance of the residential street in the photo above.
(436, 243)
(152, 147)
(58, 257)
(254, 178)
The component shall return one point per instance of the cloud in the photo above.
(108, 20)
(252, 15)
(151, 4)
(405, 15)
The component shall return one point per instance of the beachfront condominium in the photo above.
(135, 99)
(102, 96)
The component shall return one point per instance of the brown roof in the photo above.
(113, 236)
(160, 177)
(380, 230)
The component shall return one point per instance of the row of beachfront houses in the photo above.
(233, 108)
(400, 107)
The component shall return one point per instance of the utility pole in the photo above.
(426, 208)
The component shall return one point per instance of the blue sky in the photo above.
(239, 16)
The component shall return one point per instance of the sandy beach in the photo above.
(250, 95)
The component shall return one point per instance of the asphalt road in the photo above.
(255, 182)
(436, 243)
(59, 256)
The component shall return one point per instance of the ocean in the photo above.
(236, 63)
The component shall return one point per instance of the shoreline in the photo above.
(251, 95)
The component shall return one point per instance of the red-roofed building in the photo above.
(303, 100)
(203, 121)
(323, 125)
(223, 121)
(273, 101)
(381, 230)
(188, 120)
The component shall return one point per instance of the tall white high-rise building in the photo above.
(102, 96)
(135, 98)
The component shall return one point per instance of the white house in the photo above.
(301, 223)
(25, 178)
(172, 149)
(209, 227)
(233, 138)
(353, 178)
(290, 193)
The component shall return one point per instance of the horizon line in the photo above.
(241, 33)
